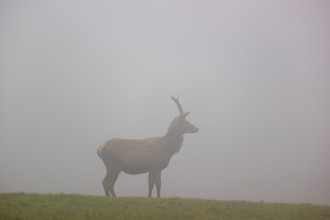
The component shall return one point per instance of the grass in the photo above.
(16, 206)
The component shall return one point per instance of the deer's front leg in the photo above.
(158, 182)
(151, 182)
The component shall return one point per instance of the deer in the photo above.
(149, 155)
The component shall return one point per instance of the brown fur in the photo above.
(149, 155)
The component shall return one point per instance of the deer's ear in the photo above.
(186, 114)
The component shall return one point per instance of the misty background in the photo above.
(254, 74)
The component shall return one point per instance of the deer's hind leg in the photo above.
(113, 176)
(109, 181)
(106, 182)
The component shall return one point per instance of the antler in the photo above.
(176, 100)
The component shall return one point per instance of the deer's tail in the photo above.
(100, 149)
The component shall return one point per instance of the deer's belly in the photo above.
(138, 168)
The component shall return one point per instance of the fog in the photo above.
(255, 76)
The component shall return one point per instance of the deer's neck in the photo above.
(173, 139)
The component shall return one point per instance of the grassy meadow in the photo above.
(18, 206)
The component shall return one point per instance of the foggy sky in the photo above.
(254, 74)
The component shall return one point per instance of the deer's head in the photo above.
(183, 125)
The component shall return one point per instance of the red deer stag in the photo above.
(149, 155)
